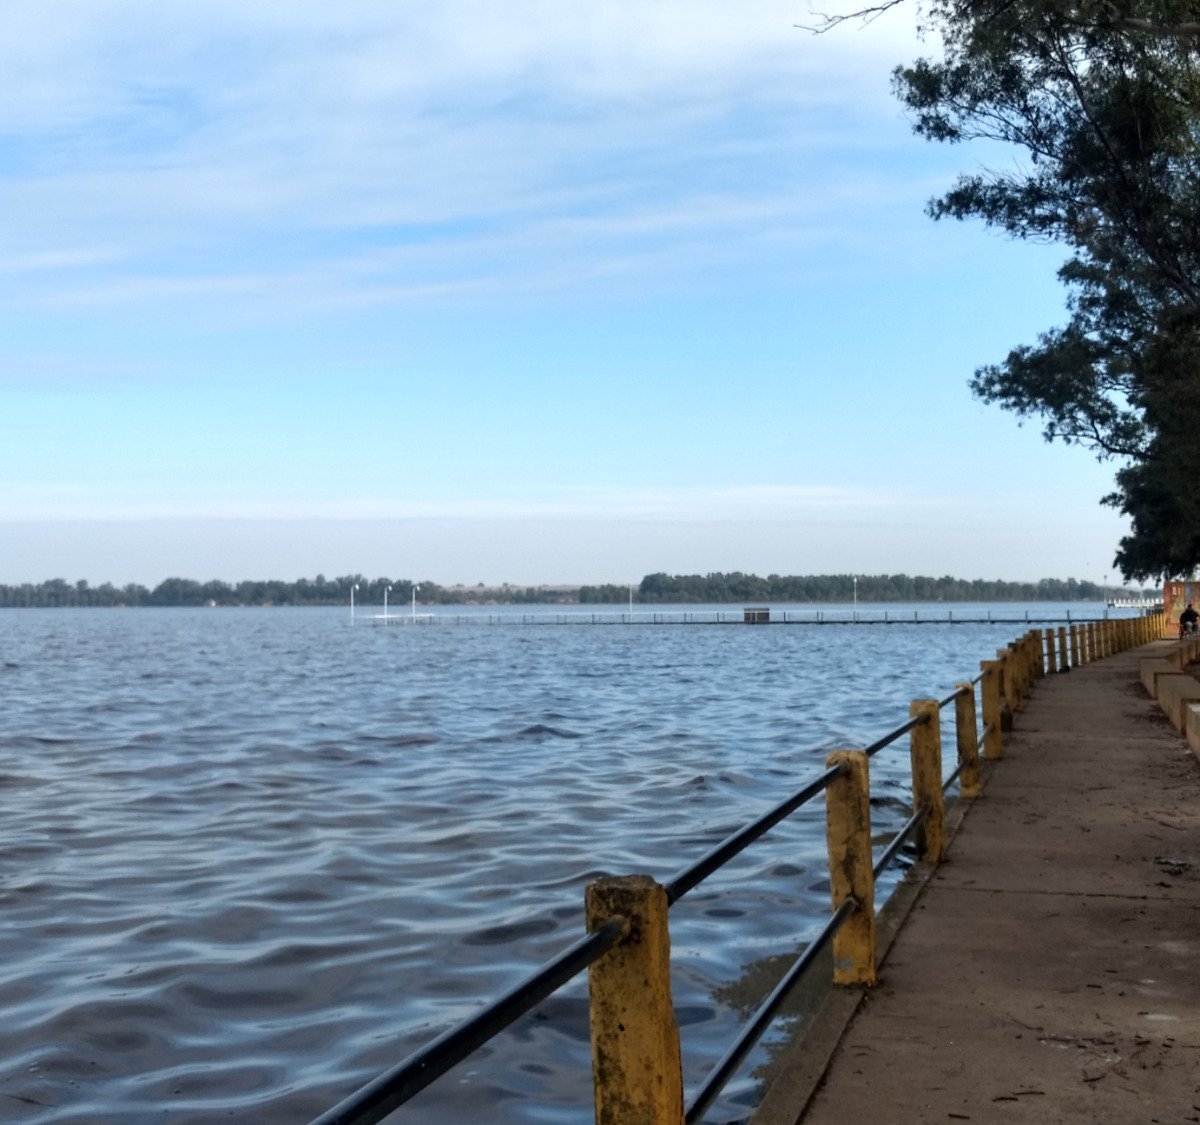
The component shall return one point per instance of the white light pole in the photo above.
(386, 590)
(414, 602)
(352, 589)
(856, 597)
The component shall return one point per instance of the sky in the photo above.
(542, 292)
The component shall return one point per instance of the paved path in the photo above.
(1050, 970)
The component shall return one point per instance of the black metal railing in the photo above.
(712, 1086)
(380, 1097)
(737, 843)
(394, 1087)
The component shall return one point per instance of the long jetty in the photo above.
(1048, 972)
(756, 615)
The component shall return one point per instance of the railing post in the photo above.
(1008, 683)
(989, 696)
(925, 748)
(1064, 664)
(1090, 632)
(1037, 658)
(1024, 667)
(1051, 655)
(636, 1066)
(1074, 646)
(967, 738)
(851, 874)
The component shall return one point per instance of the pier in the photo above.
(1048, 971)
(748, 616)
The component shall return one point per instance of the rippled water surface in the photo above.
(253, 857)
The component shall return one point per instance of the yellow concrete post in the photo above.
(1074, 646)
(925, 749)
(851, 875)
(1051, 656)
(1008, 688)
(1064, 664)
(989, 697)
(1025, 658)
(967, 739)
(636, 1066)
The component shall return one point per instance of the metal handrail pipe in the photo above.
(374, 1101)
(761, 1020)
(978, 679)
(951, 697)
(953, 777)
(731, 846)
(889, 853)
(892, 736)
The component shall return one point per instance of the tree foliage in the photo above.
(1100, 101)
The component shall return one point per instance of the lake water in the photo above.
(253, 857)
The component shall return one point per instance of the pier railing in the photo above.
(637, 1068)
(764, 616)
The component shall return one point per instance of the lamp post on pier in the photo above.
(856, 597)
(352, 589)
(414, 602)
(386, 591)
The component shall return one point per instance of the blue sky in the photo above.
(540, 292)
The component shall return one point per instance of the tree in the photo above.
(1102, 100)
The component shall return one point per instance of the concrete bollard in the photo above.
(925, 750)
(967, 741)
(989, 696)
(636, 1067)
(1008, 683)
(851, 874)
(1051, 655)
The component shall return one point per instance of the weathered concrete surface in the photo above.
(1050, 970)
(1153, 667)
(1174, 694)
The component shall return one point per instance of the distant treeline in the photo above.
(737, 587)
(654, 588)
(303, 592)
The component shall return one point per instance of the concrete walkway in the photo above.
(1050, 969)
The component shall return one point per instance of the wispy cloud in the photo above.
(216, 142)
